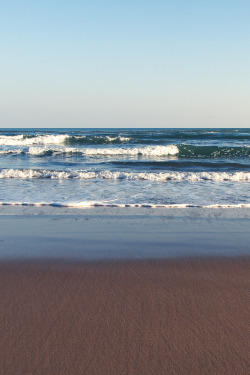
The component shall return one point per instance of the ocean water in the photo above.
(125, 167)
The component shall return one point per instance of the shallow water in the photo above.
(154, 167)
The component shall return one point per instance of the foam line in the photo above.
(130, 176)
(132, 205)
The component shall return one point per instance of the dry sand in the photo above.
(158, 317)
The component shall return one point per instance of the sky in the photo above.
(172, 63)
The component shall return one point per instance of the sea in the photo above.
(141, 167)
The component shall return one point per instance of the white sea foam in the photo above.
(47, 139)
(38, 151)
(21, 140)
(89, 204)
(119, 138)
(150, 151)
(133, 151)
(10, 152)
(131, 176)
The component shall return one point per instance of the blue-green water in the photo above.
(85, 167)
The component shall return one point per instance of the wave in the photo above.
(90, 204)
(26, 140)
(73, 137)
(132, 151)
(62, 139)
(130, 176)
(11, 152)
(96, 140)
(182, 151)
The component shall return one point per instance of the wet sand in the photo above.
(131, 317)
(110, 233)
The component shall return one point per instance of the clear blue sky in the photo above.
(172, 63)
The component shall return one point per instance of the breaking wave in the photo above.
(60, 139)
(181, 151)
(26, 140)
(132, 151)
(131, 176)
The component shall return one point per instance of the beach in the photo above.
(145, 317)
(137, 291)
(124, 251)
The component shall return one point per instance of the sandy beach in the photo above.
(124, 291)
(154, 317)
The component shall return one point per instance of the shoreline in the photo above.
(116, 234)
(128, 317)
(188, 210)
(91, 205)
(127, 233)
